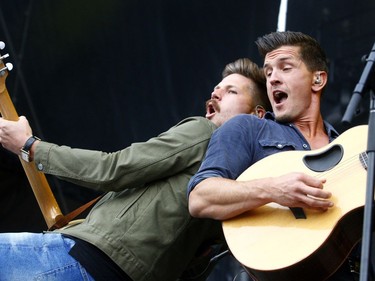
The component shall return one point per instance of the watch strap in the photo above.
(25, 150)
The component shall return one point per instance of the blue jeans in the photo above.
(38, 256)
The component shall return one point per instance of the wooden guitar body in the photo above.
(274, 245)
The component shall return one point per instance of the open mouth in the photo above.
(211, 108)
(279, 97)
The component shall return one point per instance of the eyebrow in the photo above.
(282, 59)
(225, 86)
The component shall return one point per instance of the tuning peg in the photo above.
(2, 45)
(4, 56)
(9, 66)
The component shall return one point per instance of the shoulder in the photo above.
(251, 129)
(241, 124)
(189, 132)
(196, 125)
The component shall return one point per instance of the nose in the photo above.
(217, 94)
(273, 79)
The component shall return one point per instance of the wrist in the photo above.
(33, 149)
(27, 151)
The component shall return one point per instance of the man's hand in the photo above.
(300, 190)
(14, 134)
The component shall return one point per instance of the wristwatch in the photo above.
(25, 150)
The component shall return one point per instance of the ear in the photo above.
(260, 111)
(319, 81)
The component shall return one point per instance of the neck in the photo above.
(314, 132)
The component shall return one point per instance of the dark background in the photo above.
(101, 74)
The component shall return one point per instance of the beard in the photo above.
(212, 106)
(284, 118)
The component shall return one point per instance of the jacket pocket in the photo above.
(131, 199)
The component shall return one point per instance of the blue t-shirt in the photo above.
(245, 139)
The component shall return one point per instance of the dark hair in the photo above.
(311, 52)
(249, 69)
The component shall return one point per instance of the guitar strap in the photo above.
(64, 220)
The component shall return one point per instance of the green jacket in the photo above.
(143, 223)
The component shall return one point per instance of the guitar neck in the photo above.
(42, 191)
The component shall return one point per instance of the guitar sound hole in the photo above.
(326, 160)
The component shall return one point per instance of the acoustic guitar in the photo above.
(277, 243)
(42, 191)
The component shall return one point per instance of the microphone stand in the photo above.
(364, 83)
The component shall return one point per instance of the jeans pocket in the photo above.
(73, 272)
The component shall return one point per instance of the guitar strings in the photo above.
(345, 167)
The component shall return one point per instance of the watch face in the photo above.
(25, 156)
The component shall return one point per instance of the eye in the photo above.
(232, 92)
(268, 73)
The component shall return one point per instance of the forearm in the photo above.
(93, 169)
(220, 198)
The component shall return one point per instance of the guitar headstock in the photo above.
(4, 68)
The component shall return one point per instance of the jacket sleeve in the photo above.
(167, 154)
